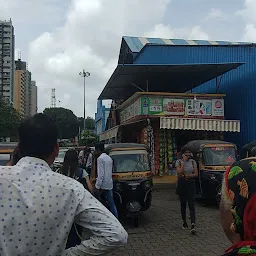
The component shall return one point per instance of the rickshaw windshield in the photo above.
(130, 161)
(221, 156)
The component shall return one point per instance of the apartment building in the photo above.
(19, 91)
(33, 106)
(7, 66)
(25, 100)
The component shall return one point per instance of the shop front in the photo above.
(167, 121)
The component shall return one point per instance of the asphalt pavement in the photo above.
(160, 231)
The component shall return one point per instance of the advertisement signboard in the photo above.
(198, 107)
(174, 106)
(218, 107)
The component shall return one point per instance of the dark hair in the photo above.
(185, 149)
(100, 147)
(70, 163)
(38, 135)
(15, 156)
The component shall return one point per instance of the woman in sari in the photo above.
(238, 207)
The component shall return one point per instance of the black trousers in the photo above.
(186, 192)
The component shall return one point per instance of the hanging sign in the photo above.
(174, 107)
(199, 107)
(218, 107)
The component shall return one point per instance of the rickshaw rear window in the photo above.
(130, 161)
(220, 156)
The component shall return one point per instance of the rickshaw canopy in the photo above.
(196, 146)
(125, 146)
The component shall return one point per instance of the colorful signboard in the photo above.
(174, 106)
(198, 107)
(218, 107)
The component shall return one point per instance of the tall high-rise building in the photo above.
(7, 67)
(33, 108)
(19, 86)
(25, 90)
(19, 91)
(28, 93)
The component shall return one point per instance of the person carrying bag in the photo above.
(186, 187)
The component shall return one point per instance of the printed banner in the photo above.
(174, 107)
(199, 107)
(167, 106)
(218, 107)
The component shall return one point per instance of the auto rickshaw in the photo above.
(132, 178)
(213, 157)
(6, 150)
(249, 149)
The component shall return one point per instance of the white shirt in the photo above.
(84, 174)
(38, 208)
(104, 171)
(89, 160)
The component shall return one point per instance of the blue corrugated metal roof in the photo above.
(137, 43)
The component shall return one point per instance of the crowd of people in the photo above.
(46, 213)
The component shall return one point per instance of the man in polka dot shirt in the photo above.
(38, 206)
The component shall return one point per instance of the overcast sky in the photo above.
(58, 38)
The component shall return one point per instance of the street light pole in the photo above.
(84, 75)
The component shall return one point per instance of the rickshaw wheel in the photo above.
(136, 221)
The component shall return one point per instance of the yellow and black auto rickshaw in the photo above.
(132, 178)
(213, 157)
(249, 149)
(6, 150)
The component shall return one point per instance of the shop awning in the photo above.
(199, 124)
(109, 134)
(131, 78)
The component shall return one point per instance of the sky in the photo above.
(60, 38)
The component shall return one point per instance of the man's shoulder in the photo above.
(67, 182)
(104, 156)
(4, 169)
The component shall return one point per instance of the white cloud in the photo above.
(197, 33)
(250, 33)
(165, 31)
(90, 38)
(71, 35)
(248, 14)
(216, 14)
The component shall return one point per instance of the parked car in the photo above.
(59, 159)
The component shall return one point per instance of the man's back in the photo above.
(38, 208)
(105, 166)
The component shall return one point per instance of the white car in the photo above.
(4, 159)
(60, 158)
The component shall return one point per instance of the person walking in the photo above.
(104, 181)
(186, 188)
(39, 206)
(237, 207)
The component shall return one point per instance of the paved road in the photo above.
(160, 230)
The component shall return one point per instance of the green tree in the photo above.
(9, 120)
(88, 138)
(89, 123)
(66, 121)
